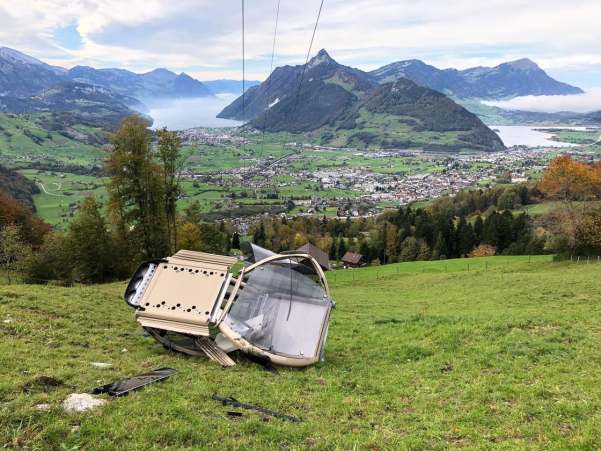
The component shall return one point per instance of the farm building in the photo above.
(352, 260)
(319, 255)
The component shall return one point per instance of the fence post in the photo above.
(486, 266)
(468, 267)
(587, 259)
(578, 260)
(571, 258)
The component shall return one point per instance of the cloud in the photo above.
(578, 103)
(203, 36)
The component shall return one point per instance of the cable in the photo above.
(243, 86)
(307, 58)
(275, 33)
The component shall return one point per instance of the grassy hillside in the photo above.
(25, 139)
(427, 356)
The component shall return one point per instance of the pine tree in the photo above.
(341, 248)
(90, 244)
(478, 229)
(235, 240)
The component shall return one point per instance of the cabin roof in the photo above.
(352, 257)
(319, 255)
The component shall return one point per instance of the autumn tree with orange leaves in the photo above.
(570, 180)
(574, 224)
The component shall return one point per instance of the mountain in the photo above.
(343, 106)
(88, 103)
(99, 97)
(22, 75)
(327, 88)
(516, 78)
(157, 84)
(229, 86)
(18, 186)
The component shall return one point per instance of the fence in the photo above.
(442, 266)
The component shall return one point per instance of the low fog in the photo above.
(577, 103)
(187, 113)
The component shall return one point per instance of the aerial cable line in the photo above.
(243, 88)
(275, 34)
(308, 55)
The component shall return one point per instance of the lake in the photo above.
(188, 113)
(521, 135)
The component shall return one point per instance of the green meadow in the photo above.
(434, 355)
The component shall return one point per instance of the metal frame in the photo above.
(159, 324)
(244, 345)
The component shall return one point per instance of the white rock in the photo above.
(81, 402)
(101, 365)
(7, 321)
(124, 350)
(43, 406)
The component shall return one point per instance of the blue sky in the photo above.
(202, 37)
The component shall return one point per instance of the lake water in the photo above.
(521, 135)
(188, 113)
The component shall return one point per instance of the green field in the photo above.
(422, 356)
(24, 141)
(61, 192)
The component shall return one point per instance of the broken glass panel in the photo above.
(282, 309)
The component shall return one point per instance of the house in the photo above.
(319, 255)
(352, 260)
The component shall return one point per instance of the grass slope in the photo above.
(426, 356)
(24, 140)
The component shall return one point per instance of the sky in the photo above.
(203, 38)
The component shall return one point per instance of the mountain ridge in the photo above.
(337, 101)
(510, 79)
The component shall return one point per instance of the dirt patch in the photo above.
(41, 384)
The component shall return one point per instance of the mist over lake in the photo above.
(187, 113)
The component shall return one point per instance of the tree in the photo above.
(465, 237)
(136, 191)
(478, 229)
(483, 250)
(568, 180)
(390, 241)
(235, 240)
(424, 251)
(409, 249)
(342, 249)
(13, 249)
(189, 236)
(90, 244)
(193, 212)
(169, 152)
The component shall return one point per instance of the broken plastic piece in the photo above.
(277, 308)
(124, 386)
(233, 402)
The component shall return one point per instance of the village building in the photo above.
(319, 255)
(352, 260)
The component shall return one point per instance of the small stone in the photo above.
(124, 350)
(101, 365)
(43, 407)
(81, 402)
(75, 428)
(7, 321)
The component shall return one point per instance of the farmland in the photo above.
(426, 355)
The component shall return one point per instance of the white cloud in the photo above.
(579, 103)
(203, 36)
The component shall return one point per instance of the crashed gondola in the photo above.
(276, 308)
